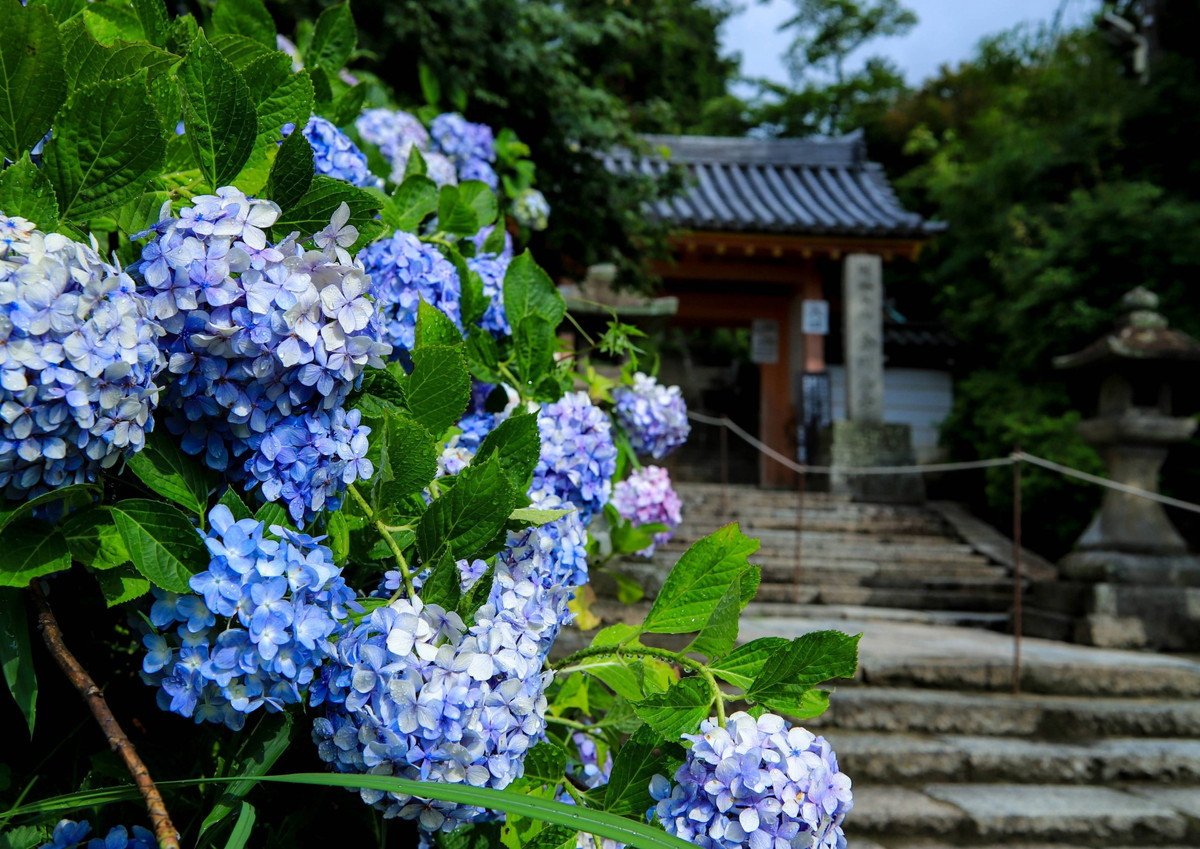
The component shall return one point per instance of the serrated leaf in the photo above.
(111, 22)
(107, 145)
(528, 290)
(16, 657)
(94, 540)
(515, 442)
(152, 14)
(537, 517)
(443, 587)
(333, 40)
(142, 212)
(345, 109)
(463, 520)
(219, 113)
(165, 468)
(473, 836)
(545, 763)
(415, 200)
(495, 242)
(439, 388)
(473, 303)
(24, 837)
(162, 543)
(678, 710)
(552, 837)
(236, 506)
(415, 166)
(258, 753)
(338, 529)
(274, 513)
(121, 585)
(793, 670)
(740, 666)
(242, 52)
(699, 580)
(483, 355)
(292, 172)
(617, 674)
(477, 596)
(719, 633)
(638, 760)
(481, 199)
(434, 327)
(454, 215)
(412, 455)
(31, 552)
(26, 192)
(325, 194)
(62, 10)
(534, 344)
(248, 18)
(32, 83)
(614, 635)
(73, 495)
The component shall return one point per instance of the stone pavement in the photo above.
(1101, 749)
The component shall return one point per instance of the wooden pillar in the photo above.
(776, 412)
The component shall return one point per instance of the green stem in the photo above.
(718, 697)
(388, 540)
(571, 723)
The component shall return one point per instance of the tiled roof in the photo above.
(812, 186)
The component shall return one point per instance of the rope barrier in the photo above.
(1015, 457)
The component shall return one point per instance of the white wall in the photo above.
(920, 398)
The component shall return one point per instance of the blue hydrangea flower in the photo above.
(79, 356)
(458, 451)
(405, 271)
(462, 140)
(531, 209)
(578, 458)
(413, 692)
(755, 784)
(647, 497)
(491, 269)
(258, 335)
(653, 416)
(396, 134)
(69, 834)
(335, 155)
(257, 629)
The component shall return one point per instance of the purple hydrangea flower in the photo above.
(396, 134)
(755, 783)
(462, 140)
(647, 497)
(653, 416)
(578, 458)
(335, 155)
(256, 630)
(79, 357)
(405, 271)
(491, 269)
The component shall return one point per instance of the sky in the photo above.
(946, 33)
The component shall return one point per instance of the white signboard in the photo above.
(814, 318)
(764, 341)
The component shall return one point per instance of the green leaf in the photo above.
(24, 837)
(434, 327)
(481, 199)
(142, 212)
(677, 711)
(243, 53)
(107, 145)
(121, 585)
(31, 552)
(740, 666)
(280, 97)
(484, 835)
(454, 215)
(16, 657)
(515, 442)
(218, 112)
(619, 675)
(439, 388)
(162, 543)
(273, 513)
(26, 192)
(412, 455)
(333, 41)
(534, 344)
(477, 596)
(62, 10)
(552, 837)
(615, 635)
(93, 538)
(71, 496)
(236, 506)
(292, 171)
(32, 83)
(257, 754)
(719, 633)
(537, 517)
(699, 580)
(465, 519)
(345, 109)
(495, 241)
(636, 834)
(165, 468)
(338, 529)
(242, 828)
(248, 18)
(545, 763)
(415, 166)
(483, 354)
(642, 757)
(443, 587)
(792, 671)
(415, 199)
(472, 303)
(112, 22)
(629, 591)
(325, 194)
(528, 290)
(152, 14)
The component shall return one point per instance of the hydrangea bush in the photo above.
(299, 484)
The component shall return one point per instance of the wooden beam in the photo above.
(778, 244)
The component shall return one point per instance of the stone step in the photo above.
(911, 599)
(1063, 718)
(1007, 814)
(874, 758)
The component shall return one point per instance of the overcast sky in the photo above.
(946, 33)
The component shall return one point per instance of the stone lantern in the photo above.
(1133, 581)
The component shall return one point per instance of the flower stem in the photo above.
(718, 697)
(388, 539)
(164, 830)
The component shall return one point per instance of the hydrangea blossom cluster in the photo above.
(471, 147)
(414, 693)
(265, 341)
(397, 134)
(257, 628)
(78, 360)
(654, 416)
(578, 457)
(334, 154)
(756, 783)
(531, 209)
(491, 269)
(590, 772)
(461, 448)
(69, 834)
(405, 271)
(647, 497)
